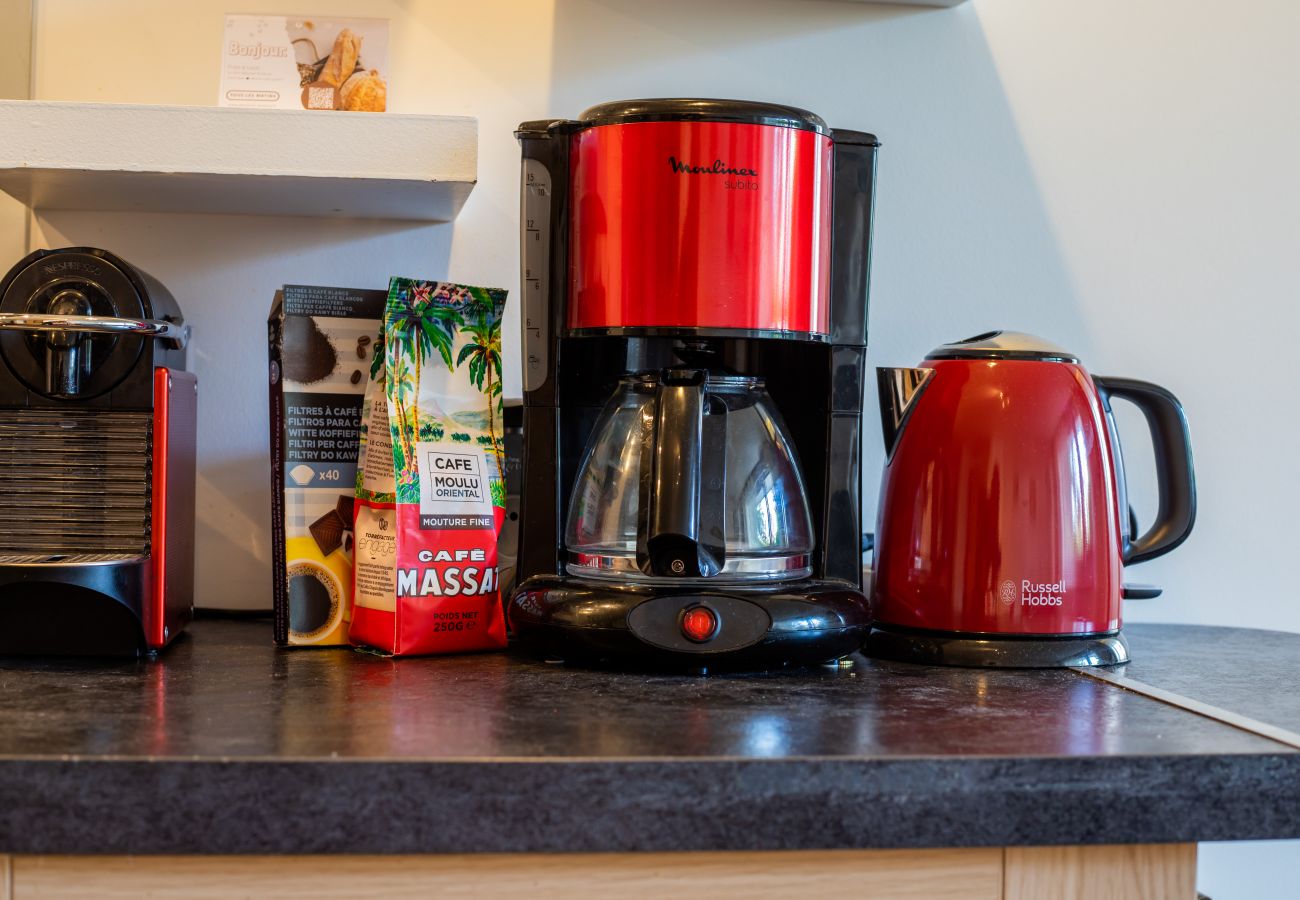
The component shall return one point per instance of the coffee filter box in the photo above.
(322, 344)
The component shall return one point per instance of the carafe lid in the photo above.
(1004, 345)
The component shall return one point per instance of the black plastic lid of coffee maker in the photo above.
(1003, 345)
(686, 109)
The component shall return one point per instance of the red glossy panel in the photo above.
(168, 603)
(998, 510)
(653, 246)
(155, 605)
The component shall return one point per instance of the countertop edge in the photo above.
(258, 806)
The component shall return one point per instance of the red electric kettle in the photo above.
(1004, 525)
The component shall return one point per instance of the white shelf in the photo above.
(102, 156)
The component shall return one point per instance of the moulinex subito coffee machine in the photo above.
(97, 449)
(695, 305)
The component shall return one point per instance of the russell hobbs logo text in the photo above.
(1032, 593)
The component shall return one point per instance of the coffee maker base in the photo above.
(692, 629)
(949, 648)
(95, 605)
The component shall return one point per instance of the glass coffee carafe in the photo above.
(689, 476)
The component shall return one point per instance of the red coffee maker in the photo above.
(695, 299)
(1004, 524)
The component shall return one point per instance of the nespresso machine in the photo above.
(97, 448)
(695, 301)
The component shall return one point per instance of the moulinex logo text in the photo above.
(1032, 593)
(718, 168)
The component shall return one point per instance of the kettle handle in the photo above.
(1175, 476)
(675, 538)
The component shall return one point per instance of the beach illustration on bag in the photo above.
(443, 365)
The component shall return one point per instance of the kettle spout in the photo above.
(899, 390)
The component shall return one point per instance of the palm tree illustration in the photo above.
(483, 352)
(403, 390)
(416, 331)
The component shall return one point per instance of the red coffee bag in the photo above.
(430, 496)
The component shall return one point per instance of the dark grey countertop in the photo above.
(1246, 671)
(227, 745)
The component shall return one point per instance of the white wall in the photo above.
(15, 77)
(1115, 176)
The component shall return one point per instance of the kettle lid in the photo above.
(1004, 345)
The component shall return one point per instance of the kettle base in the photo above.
(953, 648)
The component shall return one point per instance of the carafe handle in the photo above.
(673, 535)
(1176, 479)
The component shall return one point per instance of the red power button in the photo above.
(699, 623)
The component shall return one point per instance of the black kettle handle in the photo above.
(674, 541)
(1175, 476)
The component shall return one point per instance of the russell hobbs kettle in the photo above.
(1004, 528)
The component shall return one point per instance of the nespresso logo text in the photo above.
(718, 168)
(258, 50)
(64, 266)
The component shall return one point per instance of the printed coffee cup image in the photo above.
(316, 592)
